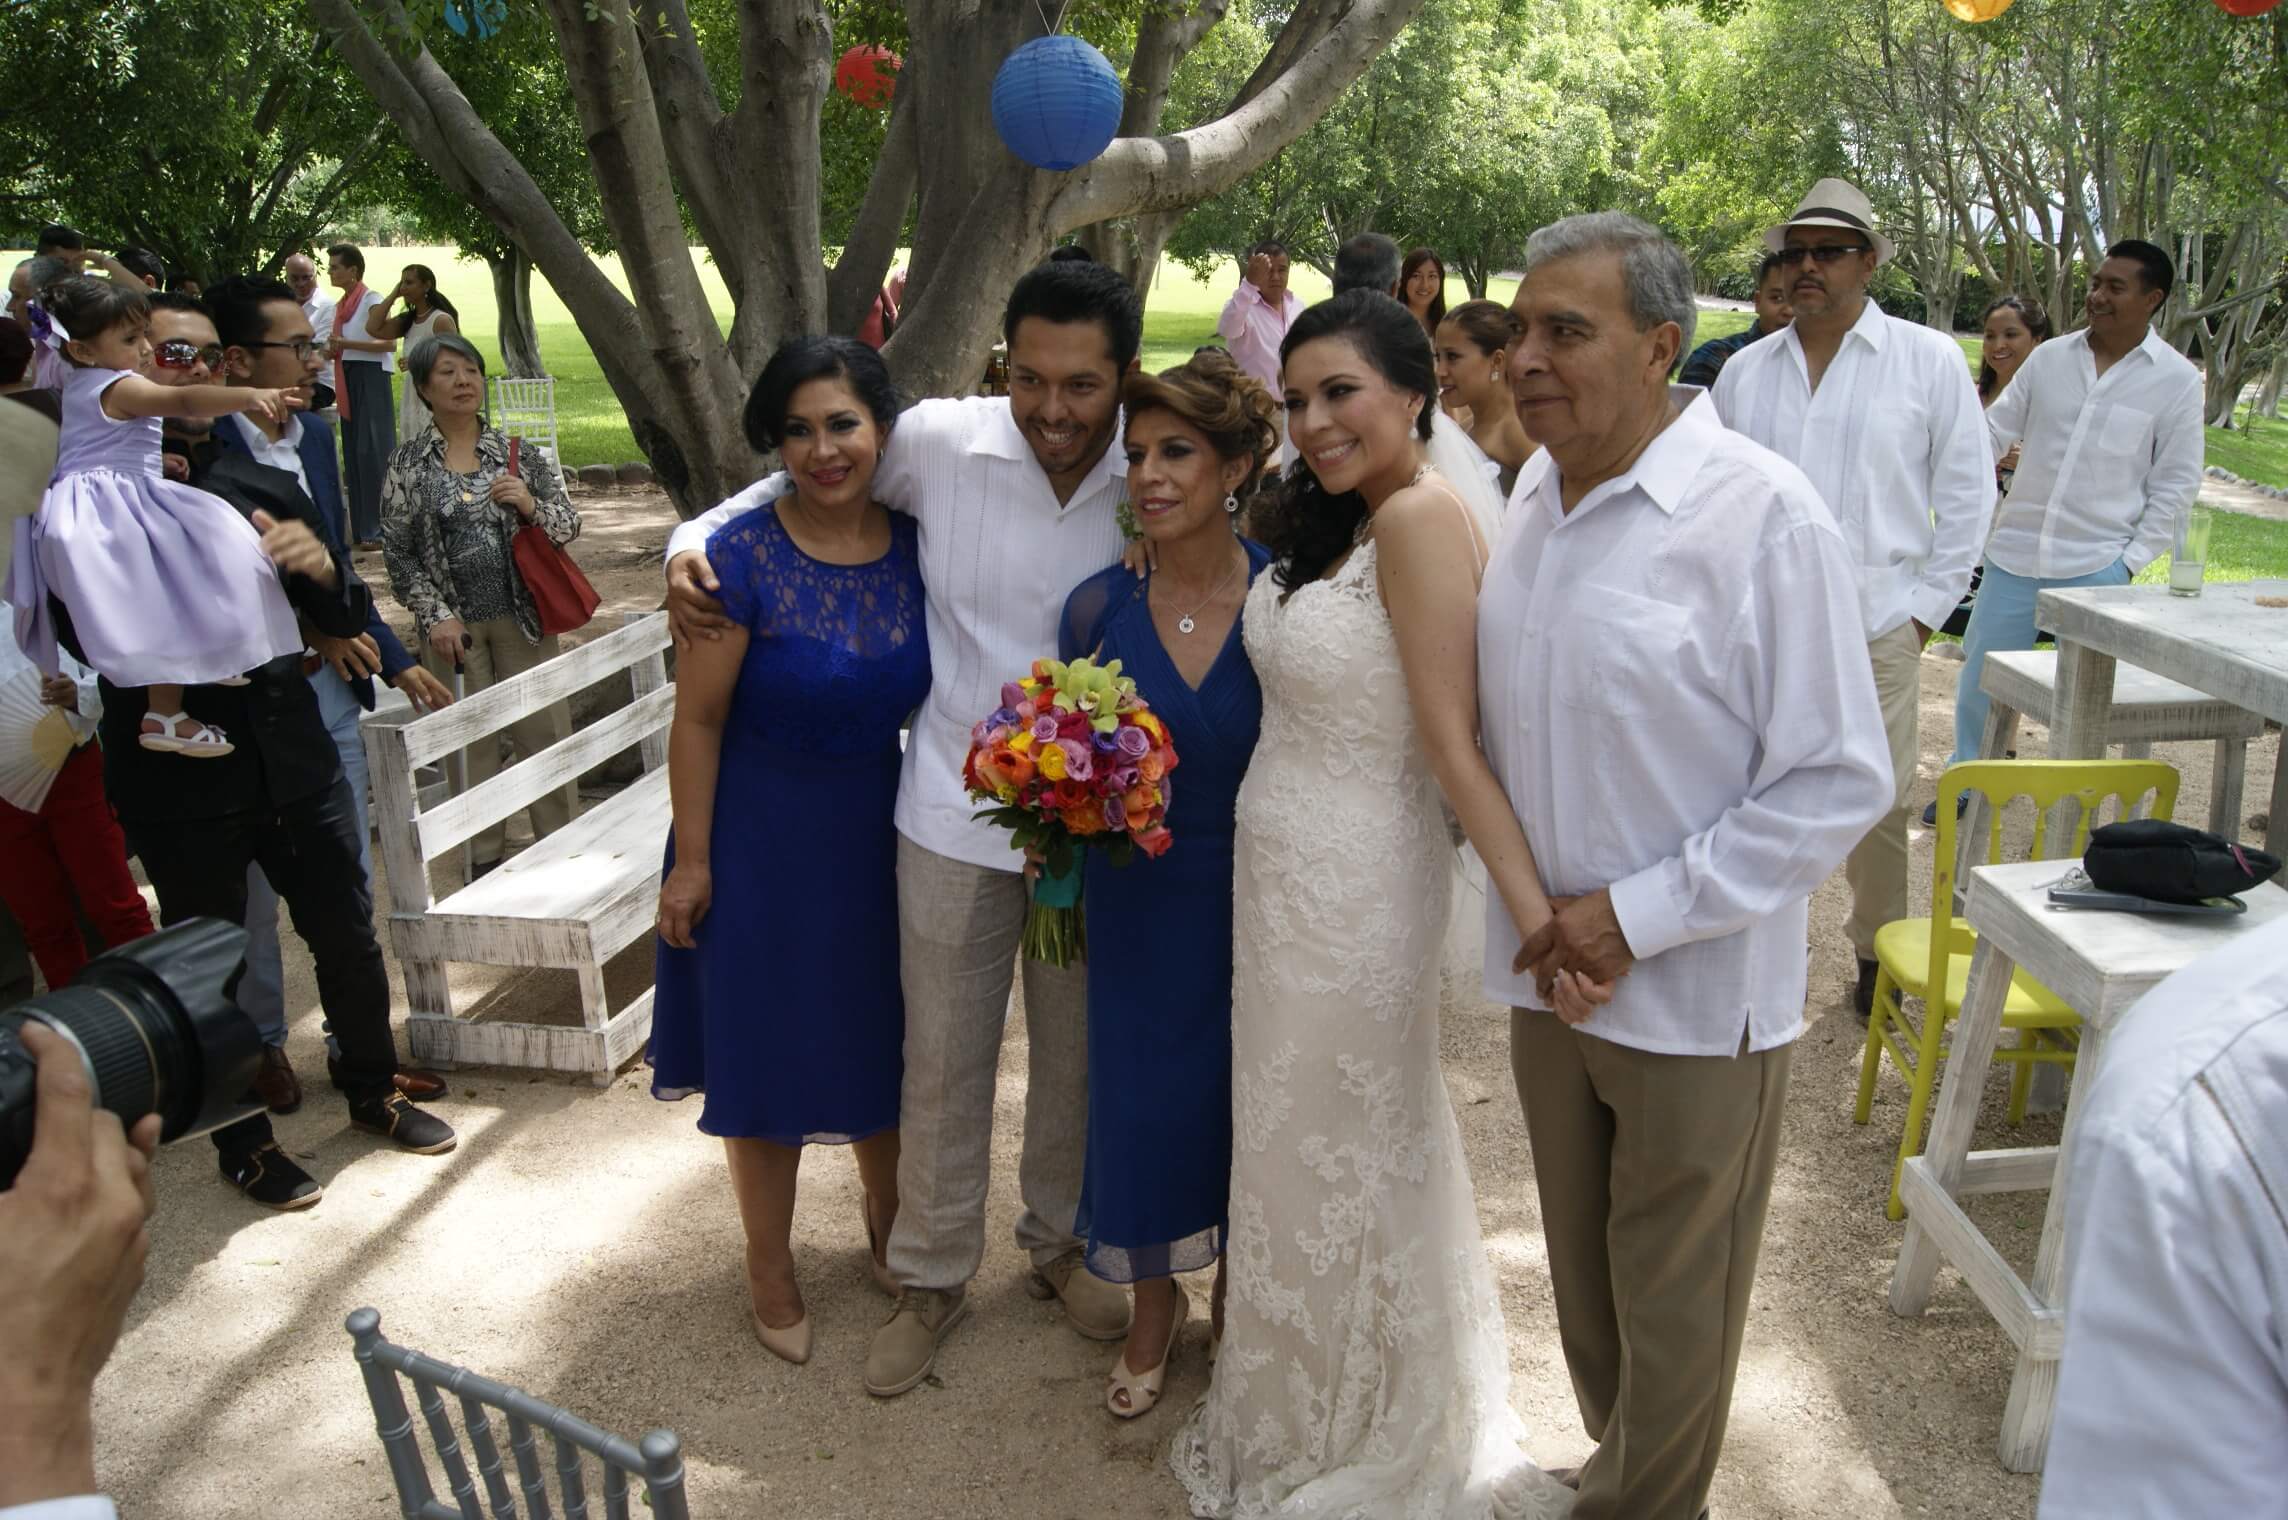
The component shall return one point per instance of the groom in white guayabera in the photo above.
(1674, 690)
(1014, 502)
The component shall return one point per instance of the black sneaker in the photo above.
(269, 1176)
(1930, 813)
(407, 1127)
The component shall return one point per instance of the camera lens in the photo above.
(156, 1023)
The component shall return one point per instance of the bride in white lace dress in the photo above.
(1364, 1370)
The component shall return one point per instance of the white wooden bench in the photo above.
(572, 900)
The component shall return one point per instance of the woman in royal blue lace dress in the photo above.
(778, 983)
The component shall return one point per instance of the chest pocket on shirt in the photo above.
(1622, 657)
(2125, 434)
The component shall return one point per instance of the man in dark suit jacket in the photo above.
(258, 327)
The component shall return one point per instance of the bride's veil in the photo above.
(1462, 963)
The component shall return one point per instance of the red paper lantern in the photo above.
(2246, 7)
(868, 75)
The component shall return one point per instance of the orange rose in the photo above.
(1151, 766)
(1154, 842)
(1083, 820)
(1018, 768)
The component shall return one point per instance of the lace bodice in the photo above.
(838, 654)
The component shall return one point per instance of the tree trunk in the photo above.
(658, 142)
(2268, 394)
(512, 293)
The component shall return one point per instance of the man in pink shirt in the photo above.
(1259, 313)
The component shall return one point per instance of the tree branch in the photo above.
(873, 242)
(1137, 175)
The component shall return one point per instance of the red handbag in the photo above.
(560, 593)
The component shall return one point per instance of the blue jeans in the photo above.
(2003, 618)
(262, 989)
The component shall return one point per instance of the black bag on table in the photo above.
(2168, 862)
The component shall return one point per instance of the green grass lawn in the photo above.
(2255, 449)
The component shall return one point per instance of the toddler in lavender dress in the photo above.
(167, 586)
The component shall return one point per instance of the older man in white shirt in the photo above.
(2108, 423)
(1883, 417)
(2173, 1390)
(1015, 499)
(1673, 688)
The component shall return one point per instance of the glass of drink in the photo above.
(2191, 554)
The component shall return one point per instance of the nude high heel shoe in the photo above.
(790, 1343)
(1129, 1394)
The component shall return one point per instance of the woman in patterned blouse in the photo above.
(449, 507)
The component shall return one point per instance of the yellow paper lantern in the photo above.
(1976, 10)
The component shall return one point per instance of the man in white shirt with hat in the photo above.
(1882, 415)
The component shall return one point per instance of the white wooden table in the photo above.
(2220, 642)
(2100, 963)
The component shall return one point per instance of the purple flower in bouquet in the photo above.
(1134, 742)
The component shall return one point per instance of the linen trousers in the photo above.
(369, 436)
(307, 850)
(69, 857)
(497, 650)
(2003, 618)
(1654, 1173)
(1876, 869)
(958, 928)
(262, 986)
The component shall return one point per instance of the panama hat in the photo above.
(1833, 203)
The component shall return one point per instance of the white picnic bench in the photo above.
(572, 900)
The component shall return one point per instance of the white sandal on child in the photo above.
(229, 681)
(206, 743)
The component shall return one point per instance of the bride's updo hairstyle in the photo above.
(1211, 393)
(1305, 527)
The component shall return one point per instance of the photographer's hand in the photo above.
(72, 1247)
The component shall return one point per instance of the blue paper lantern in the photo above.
(1056, 103)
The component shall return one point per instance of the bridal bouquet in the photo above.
(1071, 759)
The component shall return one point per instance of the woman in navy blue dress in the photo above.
(778, 985)
(1159, 1019)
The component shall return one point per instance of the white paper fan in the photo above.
(35, 741)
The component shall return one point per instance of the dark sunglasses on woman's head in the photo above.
(1826, 253)
(182, 353)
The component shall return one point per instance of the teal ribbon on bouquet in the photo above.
(1055, 931)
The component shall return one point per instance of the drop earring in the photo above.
(1231, 503)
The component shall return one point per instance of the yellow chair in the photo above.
(1929, 958)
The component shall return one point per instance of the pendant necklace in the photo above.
(1184, 620)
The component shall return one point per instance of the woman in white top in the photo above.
(427, 315)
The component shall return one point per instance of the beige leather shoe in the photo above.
(1098, 1309)
(790, 1343)
(905, 1349)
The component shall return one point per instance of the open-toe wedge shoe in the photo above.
(204, 742)
(1129, 1394)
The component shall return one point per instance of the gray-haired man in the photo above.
(1673, 688)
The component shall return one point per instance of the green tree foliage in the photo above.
(218, 133)
(1486, 119)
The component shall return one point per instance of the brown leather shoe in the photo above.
(419, 1085)
(275, 1083)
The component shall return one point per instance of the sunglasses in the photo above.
(1826, 253)
(182, 353)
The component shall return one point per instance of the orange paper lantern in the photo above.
(868, 75)
(1976, 10)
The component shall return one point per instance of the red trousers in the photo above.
(70, 849)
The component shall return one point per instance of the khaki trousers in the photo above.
(1654, 1172)
(497, 650)
(958, 927)
(1877, 868)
